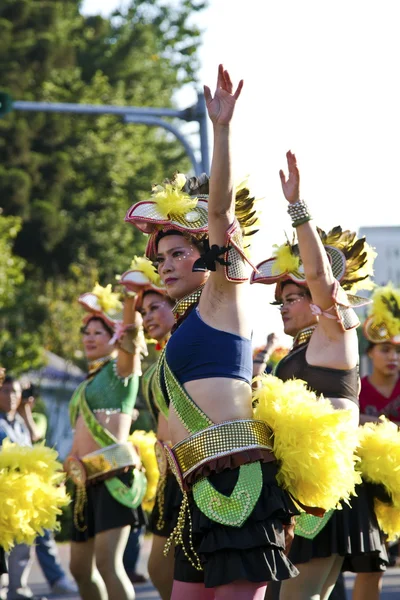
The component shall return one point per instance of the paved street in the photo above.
(146, 591)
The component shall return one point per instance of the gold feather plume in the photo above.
(359, 257)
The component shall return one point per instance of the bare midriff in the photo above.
(221, 399)
(117, 424)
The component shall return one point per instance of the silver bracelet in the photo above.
(299, 213)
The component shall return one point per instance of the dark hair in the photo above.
(170, 301)
(370, 345)
(11, 379)
(97, 318)
(304, 288)
(198, 243)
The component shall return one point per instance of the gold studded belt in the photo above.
(222, 439)
(108, 460)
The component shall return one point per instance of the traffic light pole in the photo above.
(146, 116)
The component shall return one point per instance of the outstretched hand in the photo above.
(220, 107)
(291, 185)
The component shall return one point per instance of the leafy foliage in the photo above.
(70, 178)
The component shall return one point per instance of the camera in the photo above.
(28, 392)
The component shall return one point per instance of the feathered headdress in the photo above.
(181, 204)
(383, 322)
(103, 303)
(351, 260)
(142, 277)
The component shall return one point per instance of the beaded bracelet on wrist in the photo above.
(299, 213)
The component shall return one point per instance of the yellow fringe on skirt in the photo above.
(313, 442)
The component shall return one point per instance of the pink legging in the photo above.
(238, 590)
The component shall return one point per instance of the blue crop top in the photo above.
(198, 351)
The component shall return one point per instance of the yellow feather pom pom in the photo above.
(313, 442)
(379, 452)
(144, 441)
(388, 518)
(286, 261)
(170, 198)
(145, 266)
(108, 300)
(30, 493)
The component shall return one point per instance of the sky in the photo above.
(321, 79)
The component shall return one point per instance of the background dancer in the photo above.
(380, 391)
(101, 411)
(158, 320)
(317, 312)
(206, 374)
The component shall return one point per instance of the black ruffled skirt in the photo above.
(253, 552)
(102, 512)
(352, 532)
(162, 523)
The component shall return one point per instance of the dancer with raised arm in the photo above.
(313, 279)
(231, 528)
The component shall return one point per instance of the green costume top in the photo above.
(108, 392)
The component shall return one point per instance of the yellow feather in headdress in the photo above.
(286, 261)
(108, 300)
(170, 198)
(31, 496)
(359, 257)
(313, 443)
(145, 266)
(144, 441)
(385, 309)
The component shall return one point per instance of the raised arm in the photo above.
(221, 204)
(316, 264)
(129, 359)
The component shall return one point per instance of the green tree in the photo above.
(70, 179)
(19, 345)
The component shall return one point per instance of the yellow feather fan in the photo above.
(379, 453)
(31, 496)
(108, 300)
(385, 309)
(143, 264)
(313, 442)
(144, 441)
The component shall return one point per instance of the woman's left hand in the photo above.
(220, 107)
(291, 185)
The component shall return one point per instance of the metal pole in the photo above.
(99, 109)
(145, 115)
(161, 123)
